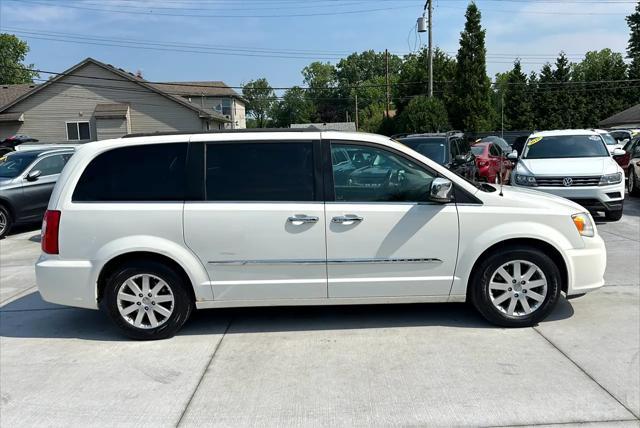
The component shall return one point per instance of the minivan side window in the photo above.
(260, 171)
(146, 173)
(51, 165)
(455, 148)
(384, 177)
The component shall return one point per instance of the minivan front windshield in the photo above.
(14, 164)
(565, 146)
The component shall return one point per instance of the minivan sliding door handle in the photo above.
(302, 219)
(346, 219)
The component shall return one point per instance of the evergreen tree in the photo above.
(472, 89)
(293, 108)
(633, 53)
(423, 114)
(517, 100)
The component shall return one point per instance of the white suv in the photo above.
(576, 165)
(150, 227)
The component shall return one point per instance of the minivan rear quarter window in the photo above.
(146, 173)
(260, 171)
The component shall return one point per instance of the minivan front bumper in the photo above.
(66, 282)
(586, 266)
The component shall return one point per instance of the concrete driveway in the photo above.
(404, 365)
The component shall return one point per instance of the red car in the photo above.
(488, 159)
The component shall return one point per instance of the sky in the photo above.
(239, 40)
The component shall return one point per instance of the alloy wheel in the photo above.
(518, 288)
(145, 301)
(3, 222)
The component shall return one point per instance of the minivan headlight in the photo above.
(611, 179)
(583, 223)
(526, 180)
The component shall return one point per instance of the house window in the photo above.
(224, 106)
(78, 131)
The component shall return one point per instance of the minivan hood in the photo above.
(567, 166)
(529, 198)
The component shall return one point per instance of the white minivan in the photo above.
(150, 227)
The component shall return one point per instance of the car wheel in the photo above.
(5, 222)
(613, 215)
(633, 185)
(147, 300)
(516, 287)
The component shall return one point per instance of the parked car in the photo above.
(11, 143)
(574, 164)
(450, 150)
(493, 165)
(612, 143)
(633, 174)
(26, 182)
(150, 227)
(500, 142)
(518, 144)
(623, 136)
(624, 159)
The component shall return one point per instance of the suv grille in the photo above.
(574, 181)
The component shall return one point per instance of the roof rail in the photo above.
(221, 131)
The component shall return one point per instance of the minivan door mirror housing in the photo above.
(34, 175)
(441, 190)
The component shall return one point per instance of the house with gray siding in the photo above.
(96, 101)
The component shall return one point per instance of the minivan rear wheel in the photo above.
(516, 287)
(147, 300)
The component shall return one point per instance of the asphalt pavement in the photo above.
(356, 366)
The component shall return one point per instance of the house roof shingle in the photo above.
(9, 93)
(197, 89)
(628, 116)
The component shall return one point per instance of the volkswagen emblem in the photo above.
(567, 181)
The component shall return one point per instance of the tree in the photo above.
(517, 100)
(321, 79)
(600, 97)
(12, 54)
(472, 89)
(414, 77)
(633, 53)
(293, 108)
(260, 98)
(423, 114)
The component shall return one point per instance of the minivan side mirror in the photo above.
(618, 152)
(460, 159)
(441, 190)
(513, 155)
(33, 175)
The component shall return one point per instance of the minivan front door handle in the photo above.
(346, 219)
(302, 219)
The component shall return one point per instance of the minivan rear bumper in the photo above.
(66, 282)
(587, 266)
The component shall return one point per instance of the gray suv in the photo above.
(26, 182)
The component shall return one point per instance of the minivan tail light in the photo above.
(50, 229)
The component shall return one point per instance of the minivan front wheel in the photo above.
(147, 300)
(516, 287)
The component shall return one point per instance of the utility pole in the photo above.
(386, 59)
(428, 10)
(430, 15)
(356, 110)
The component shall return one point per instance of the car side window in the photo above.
(261, 171)
(143, 173)
(455, 148)
(493, 150)
(51, 165)
(378, 176)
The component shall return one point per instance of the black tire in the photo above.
(633, 185)
(613, 215)
(182, 301)
(7, 220)
(480, 294)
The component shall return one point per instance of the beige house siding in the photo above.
(107, 128)
(210, 104)
(74, 98)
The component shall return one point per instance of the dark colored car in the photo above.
(9, 144)
(492, 162)
(450, 150)
(623, 136)
(518, 144)
(26, 182)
